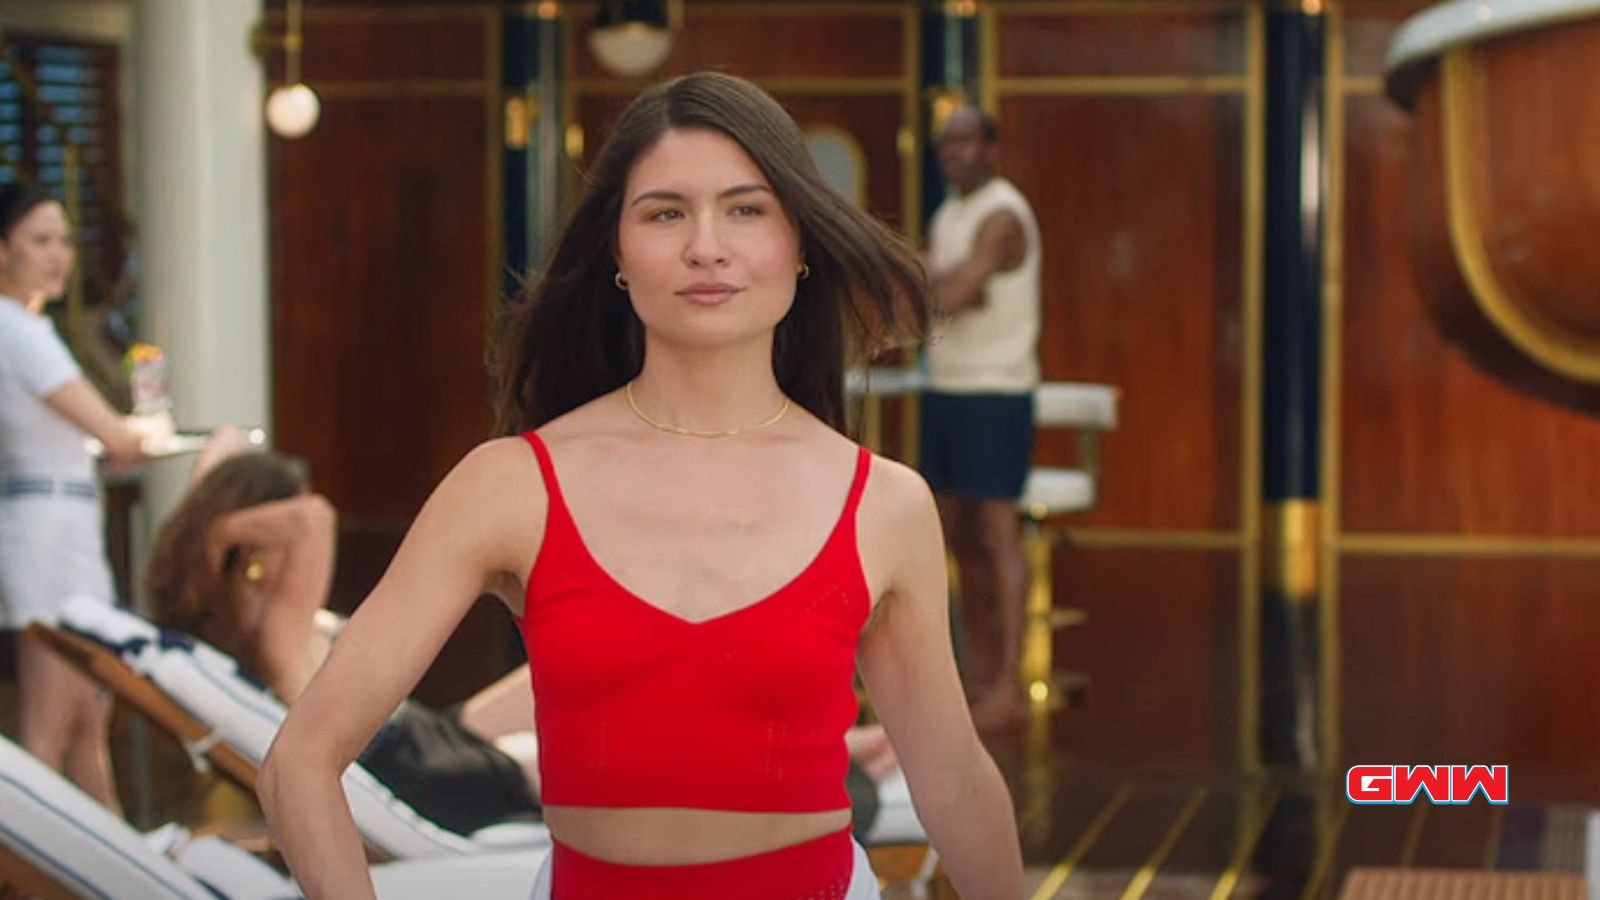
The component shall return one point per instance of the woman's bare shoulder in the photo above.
(897, 494)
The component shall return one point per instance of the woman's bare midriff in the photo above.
(680, 837)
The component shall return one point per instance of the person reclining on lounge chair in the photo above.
(245, 562)
(56, 840)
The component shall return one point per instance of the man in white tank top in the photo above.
(977, 415)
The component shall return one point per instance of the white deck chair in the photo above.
(238, 714)
(241, 715)
(57, 842)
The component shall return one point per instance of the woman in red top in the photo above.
(702, 559)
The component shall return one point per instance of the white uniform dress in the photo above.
(52, 529)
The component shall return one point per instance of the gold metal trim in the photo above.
(1491, 843)
(910, 145)
(1413, 838)
(339, 15)
(347, 90)
(1124, 85)
(1115, 7)
(1327, 847)
(1365, 85)
(747, 10)
(989, 60)
(1147, 872)
(1153, 539)
(959, 9)
(1250, 832)
(841, 87)
(1063, 870)
(1541, 340)
(1335, 99)
(1455, 545)
(1291, 548)
(494, 159)
(1253, 272)
(543, 10)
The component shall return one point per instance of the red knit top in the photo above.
(637, 707)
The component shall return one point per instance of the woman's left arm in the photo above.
(909, 668)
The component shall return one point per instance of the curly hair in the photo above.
(187, 593)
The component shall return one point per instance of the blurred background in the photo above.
(1344, 516)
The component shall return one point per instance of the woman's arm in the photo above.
(466, 532)
(909, 669)
(79, 403)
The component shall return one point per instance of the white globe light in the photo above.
(631, 49)
(292, 110)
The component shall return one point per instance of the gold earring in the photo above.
(803, 272)
(620, 282)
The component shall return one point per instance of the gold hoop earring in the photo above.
(619, 281)
(803, 272)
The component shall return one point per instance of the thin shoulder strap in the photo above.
(547, 469)
(858, 486)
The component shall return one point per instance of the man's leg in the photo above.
(65, 720)
(978, 640)
(999, 539)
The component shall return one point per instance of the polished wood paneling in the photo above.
(380, 50)
(1473, 661)
(1368, 29)
(1161, 652)
(874, 122)
(1169, 43)
(1138, 200)
(858, 41)
(381, 297)
(1429, 443)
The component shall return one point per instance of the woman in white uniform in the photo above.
(51, 529)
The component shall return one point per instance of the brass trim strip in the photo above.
(494, 160)
(911, 128)
(1250, 835)
(1117, 7)
(1124, 85)
(841, 87)
(388, 14)
(1413, 838)
(1253, 273)
(348, 90)
(1147, 872)
(1291, 544)
(1333, 224)
(1364, 85)
(1154, 538)
(1547, 344)
(1063, 870)
(1451, 545)
(747, 10)
(1491, 845)
(989, 59)
(1327, 847)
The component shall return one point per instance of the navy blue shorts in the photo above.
(977, 446)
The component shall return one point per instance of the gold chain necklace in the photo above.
(690, 432)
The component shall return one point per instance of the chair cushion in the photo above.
(1052, 491)
(71, 838)
(210, 686)
(1071, 404)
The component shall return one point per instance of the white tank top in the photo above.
(993, 347)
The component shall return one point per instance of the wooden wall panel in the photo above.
(1198, 43)
(1473, 661)
(1162, 654)
(874, 122)
(384, 231)
(1429, 443)
(864, 40)
(1139, 206)
(381, 297)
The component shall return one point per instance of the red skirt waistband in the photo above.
(819, 868)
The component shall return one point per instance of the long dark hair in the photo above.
(16, 201)
(572, 336)
(186, 592)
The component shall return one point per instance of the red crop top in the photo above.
(639, 708)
